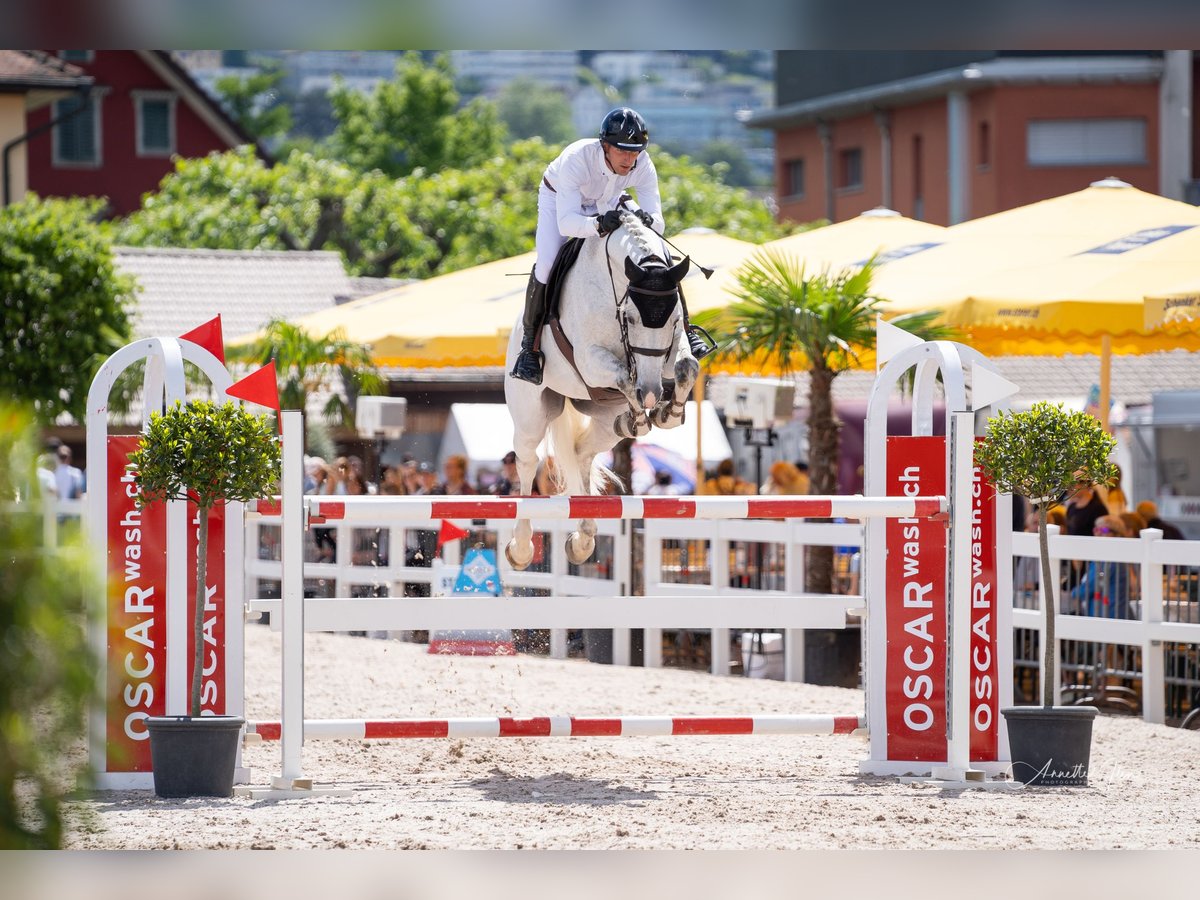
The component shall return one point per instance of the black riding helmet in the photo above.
(625, 128)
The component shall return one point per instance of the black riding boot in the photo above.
(528, 366)
(698, 345)
(700, 348)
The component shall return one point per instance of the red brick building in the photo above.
(950, 136)
(143, 109)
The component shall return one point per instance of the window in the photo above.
(985, 145)
(793, 178)
(77, 56)
(1086, 142)
(77, 139)
(850, 168)
(155, 123)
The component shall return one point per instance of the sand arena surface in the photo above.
(752, 792)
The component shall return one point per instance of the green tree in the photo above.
(48, 674)
(424, 224)
(413, 122)
(529, 109)
(787, 320)
(206, 453)
(305, 364)
(1043, 453)
(63, 306)
(735, 170)
(232, 201)
(254, 101)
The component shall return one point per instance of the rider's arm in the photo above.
(572, 173)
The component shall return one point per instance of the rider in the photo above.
(578, 197)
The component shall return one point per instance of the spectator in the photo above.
(455, 482)
(1132, 521)
(67, 477)
(545, 480)
(336, 482)
(664, 483)
(1057, 515)
(315, 473)
(1148, 510)
(509, 483)
(426, 479)
(47, 483)
(356, 485)
(358, 477)
(1106, 587)
(1114, 497)
(1027, 572)
(785, 478)
(409, 475)
(726, 482)
(392, 482)
(1084, 507)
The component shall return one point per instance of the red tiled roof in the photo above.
(35, 69)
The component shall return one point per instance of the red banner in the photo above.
(212, 685)
(137, 613)
(137, 620)
(915, 693)
(985, 671)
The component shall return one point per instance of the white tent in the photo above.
(483, 432)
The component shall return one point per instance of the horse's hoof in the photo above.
(519, 564)
(577, 558)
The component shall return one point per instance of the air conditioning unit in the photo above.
(758, 402)
(380, 417)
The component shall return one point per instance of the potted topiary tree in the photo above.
(1045, 454)
(207, 453)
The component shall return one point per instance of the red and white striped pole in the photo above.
(564, 726)
(420, 509)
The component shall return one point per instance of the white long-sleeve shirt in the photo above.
(585, 187)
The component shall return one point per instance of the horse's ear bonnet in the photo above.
(654, 290)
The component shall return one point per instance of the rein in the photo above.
(622, 314)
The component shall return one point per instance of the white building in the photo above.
(493, 69)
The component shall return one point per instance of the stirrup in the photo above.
(700, 346)
(528, 366)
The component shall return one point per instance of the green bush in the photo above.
(48, 674)
(1044, 454)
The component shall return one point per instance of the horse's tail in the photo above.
(568, 475)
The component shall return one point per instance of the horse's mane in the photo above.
(639, 234)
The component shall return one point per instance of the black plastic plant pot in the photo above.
(1051, 746)
(194, 757)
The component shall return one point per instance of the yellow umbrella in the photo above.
(1177, 307)
(1064, 275)
(882, 232)
(980, 254)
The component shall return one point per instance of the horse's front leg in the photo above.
(601, 368)
(519, 550)
(668, 413)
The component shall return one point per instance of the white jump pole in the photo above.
(292, 604)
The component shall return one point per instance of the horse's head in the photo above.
(650, 311)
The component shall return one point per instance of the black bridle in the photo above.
(652, 305)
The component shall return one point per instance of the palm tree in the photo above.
(785, 321)
(306, 363)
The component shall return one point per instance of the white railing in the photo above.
(706, 558)
(1164, 601)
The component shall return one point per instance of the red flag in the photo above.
(258, 387)
(209, 337)
(449, 532)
